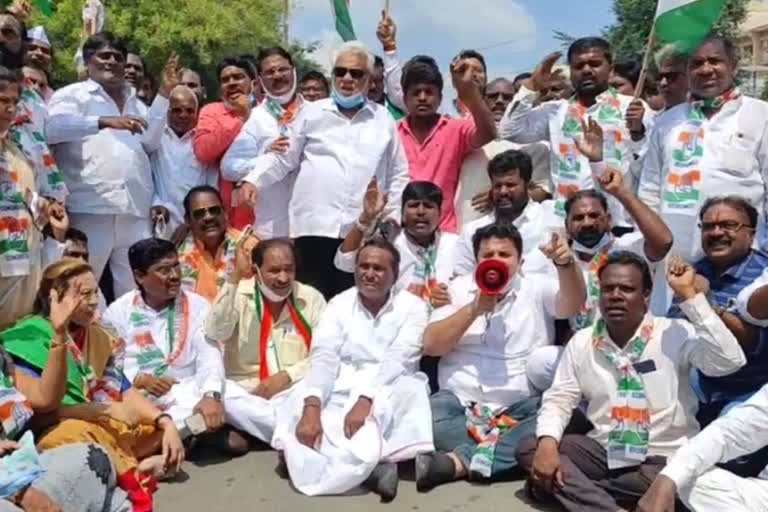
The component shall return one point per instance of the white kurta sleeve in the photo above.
(209, 366)
(403, 354)
(156, 121)
(396, 173)
(713, 348)
(324, 357)
(241, 156)
(649, 188)
(524, 124)
(742, 301)
(270, 168)
(66, 122)
(393, 74)
(562, 397)
(223, 318)
(742, 431)
(464, 255)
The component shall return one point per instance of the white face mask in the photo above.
(605, 241)
(282, 99)
(270, 294)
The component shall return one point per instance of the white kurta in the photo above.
(354, 354)
(199, 368)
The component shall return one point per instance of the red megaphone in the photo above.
(492, 276)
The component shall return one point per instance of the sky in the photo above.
(513, 35)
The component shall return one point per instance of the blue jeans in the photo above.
(449, 426)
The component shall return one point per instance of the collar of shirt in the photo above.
(609, 92)
(529, 213)
(94, 87)
(248, 287)
(359, 306)
(735, 271)
(331, 106)
(405, 129)
(171, 133)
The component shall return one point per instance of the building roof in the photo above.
(757, 17)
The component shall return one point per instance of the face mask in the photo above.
(357, 100)
(602, 243)
(268, 292)
(282, 99)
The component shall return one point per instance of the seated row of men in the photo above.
(336, 388)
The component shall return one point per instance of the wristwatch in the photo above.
(212, 394)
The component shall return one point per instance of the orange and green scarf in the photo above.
(269, 362)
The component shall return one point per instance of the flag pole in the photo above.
(386, 7)
(286, 22)
(646, 61)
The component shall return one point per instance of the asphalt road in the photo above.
(250, 483)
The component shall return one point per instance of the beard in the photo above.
(510, 210)
(9, 59)
(589, 237)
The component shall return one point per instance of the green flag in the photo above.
(343, 19)
(685, 23)
(46, 6)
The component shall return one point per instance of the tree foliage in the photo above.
(201, 31)
(629, 34)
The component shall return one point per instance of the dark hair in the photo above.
(271, 51)
(315, 75)
(76, 235)
(502, 230)
(37, 67)
(201, 189)
(22, 25)
(522, 76)
(103, 40)
(423, 191)
(511, 160)
(378, 62)
(473, 54)
(238, 62)
(629, 69)
(145, 253)
(151, 79)
(141, 59)
(257, 256)
(585, 194)
(735, 202)
(56, 277)
(421, 69)
(382, 243)
(585, 44)
(629, 258)
(730, 49)
(10, 75)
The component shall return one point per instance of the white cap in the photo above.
(38, 34)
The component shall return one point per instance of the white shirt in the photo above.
(349, 338)
(523, 123)
(336, 158)
(411, 256)
(107, 171)
(487, 365)
(176, 171)
(536, 224)
(742, 431)
(393, 74)
(675, 347)
(201, 360)
(742, 301)
(254, 139)
(734, 162)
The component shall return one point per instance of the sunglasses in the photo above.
(199, 214)
(670, 76)
(356, 74)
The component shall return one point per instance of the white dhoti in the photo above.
(718, 489)
(399, 428)
(244, 411)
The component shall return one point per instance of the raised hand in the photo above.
(439, 295)
(612, 181)
(374, 203)
(482, 202)
(681, 277)
(63, 307)
(557, 250)
(542, 75)
(171, 75)
(591, 143)
(22, 9)
(634, 118)
(243, 259)
(249, 194)
(462, 77)
(386, 32)
(58, 219)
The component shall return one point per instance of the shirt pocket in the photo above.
(737, 156)
(291, 348)
(660, 389)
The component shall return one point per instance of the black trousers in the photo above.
(314, 265)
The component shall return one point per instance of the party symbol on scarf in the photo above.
(690, 150)
(568, 165)
(683, 187)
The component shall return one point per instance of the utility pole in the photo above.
(286, 22)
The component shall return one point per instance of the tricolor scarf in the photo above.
(269, 361)
(425, 271)
(630, 414)
(586, 316)
(193, 257)
(571, 173)
(15, 409)
(16, 220)
(150, 358)
(682, 190)
(486, 428)
(283, 114)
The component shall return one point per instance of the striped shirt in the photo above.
(724, 291)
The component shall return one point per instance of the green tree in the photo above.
(629, 34)
(201, 31)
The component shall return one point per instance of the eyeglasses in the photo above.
(356, 74)
(199, 214)
(670, 76)
(271, 73)
(730, 227)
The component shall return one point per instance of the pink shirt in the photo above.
(439, 159)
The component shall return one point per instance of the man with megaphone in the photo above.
(495, 320)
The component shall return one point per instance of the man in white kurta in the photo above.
(626, 122)
(362, 402)
(715, 144)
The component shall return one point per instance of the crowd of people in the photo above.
(563, 281)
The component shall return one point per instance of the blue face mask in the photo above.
(354, 101)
